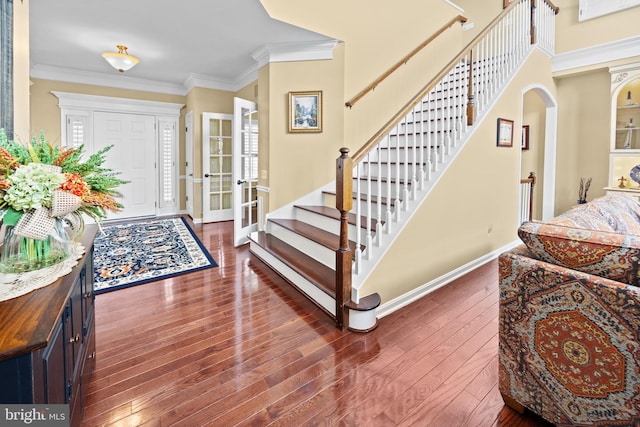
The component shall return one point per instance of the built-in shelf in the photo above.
(624, 154)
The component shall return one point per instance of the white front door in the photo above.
(133, 155)
(217, 167)
(189, 162)
(245, 169)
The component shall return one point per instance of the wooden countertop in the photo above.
(27, 322)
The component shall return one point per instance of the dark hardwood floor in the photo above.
(235, 345)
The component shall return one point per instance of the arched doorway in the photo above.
(540, 113)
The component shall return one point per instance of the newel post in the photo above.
(532, 178)
(344, 202)
(533, 22)
(471, 99)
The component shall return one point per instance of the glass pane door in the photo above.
(246, 169)
(217, 167)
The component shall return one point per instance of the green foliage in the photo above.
(39, 151)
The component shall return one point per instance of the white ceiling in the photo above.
(177, 41)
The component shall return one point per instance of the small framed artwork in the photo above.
(505, 133)
(305, 111)
(506, 3)
(524, 144)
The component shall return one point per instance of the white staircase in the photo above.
(395, 176)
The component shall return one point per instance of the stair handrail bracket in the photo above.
(393, 172)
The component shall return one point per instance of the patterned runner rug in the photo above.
(140, 252)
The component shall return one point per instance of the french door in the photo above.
(217, 167)
(245, 169)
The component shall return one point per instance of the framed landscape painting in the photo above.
(305, 111)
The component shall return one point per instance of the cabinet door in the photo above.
(88, 296)
(76, 336)
(54, 368)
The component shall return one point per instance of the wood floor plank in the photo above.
(416, 366)
(237, 345)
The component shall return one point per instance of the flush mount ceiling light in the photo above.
(121, 60)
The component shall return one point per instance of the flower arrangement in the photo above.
(41, 185)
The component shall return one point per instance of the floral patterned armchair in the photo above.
(570, 316)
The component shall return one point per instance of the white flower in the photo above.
(32, 186)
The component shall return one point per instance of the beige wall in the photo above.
(473, 210)
(21, 71)
(584, 117)
(299, 163)
(264, 135)
(572, 34)
(480, 13)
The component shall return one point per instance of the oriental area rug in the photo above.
(130, 254)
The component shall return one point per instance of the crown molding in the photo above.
(288, 52)
(285, 52)
(199, 80)
(209, 82)
(455, 6)
(597, 54)
(48, 72)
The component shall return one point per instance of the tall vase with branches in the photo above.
(584, 188)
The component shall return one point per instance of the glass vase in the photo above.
(22, 254)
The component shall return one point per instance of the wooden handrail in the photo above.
(404, 60)
(373, 141)
(555, 8)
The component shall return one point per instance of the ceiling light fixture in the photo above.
(121, 60)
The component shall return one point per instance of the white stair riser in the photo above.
(330, 200)
(448, 124)
(329, 224)
(379, 191)
(374, 209)
(313, 292)
(383, 171)
(401, 155)
(318, 252)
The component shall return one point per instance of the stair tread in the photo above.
(314, 271)
(402, 181)
(318, 235)
(335, 214)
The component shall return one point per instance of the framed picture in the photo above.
(506, 3)
(505, 133)
(305, 111)
(524, 144)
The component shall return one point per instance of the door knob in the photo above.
(241, 181)
(206, 175)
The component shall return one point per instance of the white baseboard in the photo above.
(419, 292)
